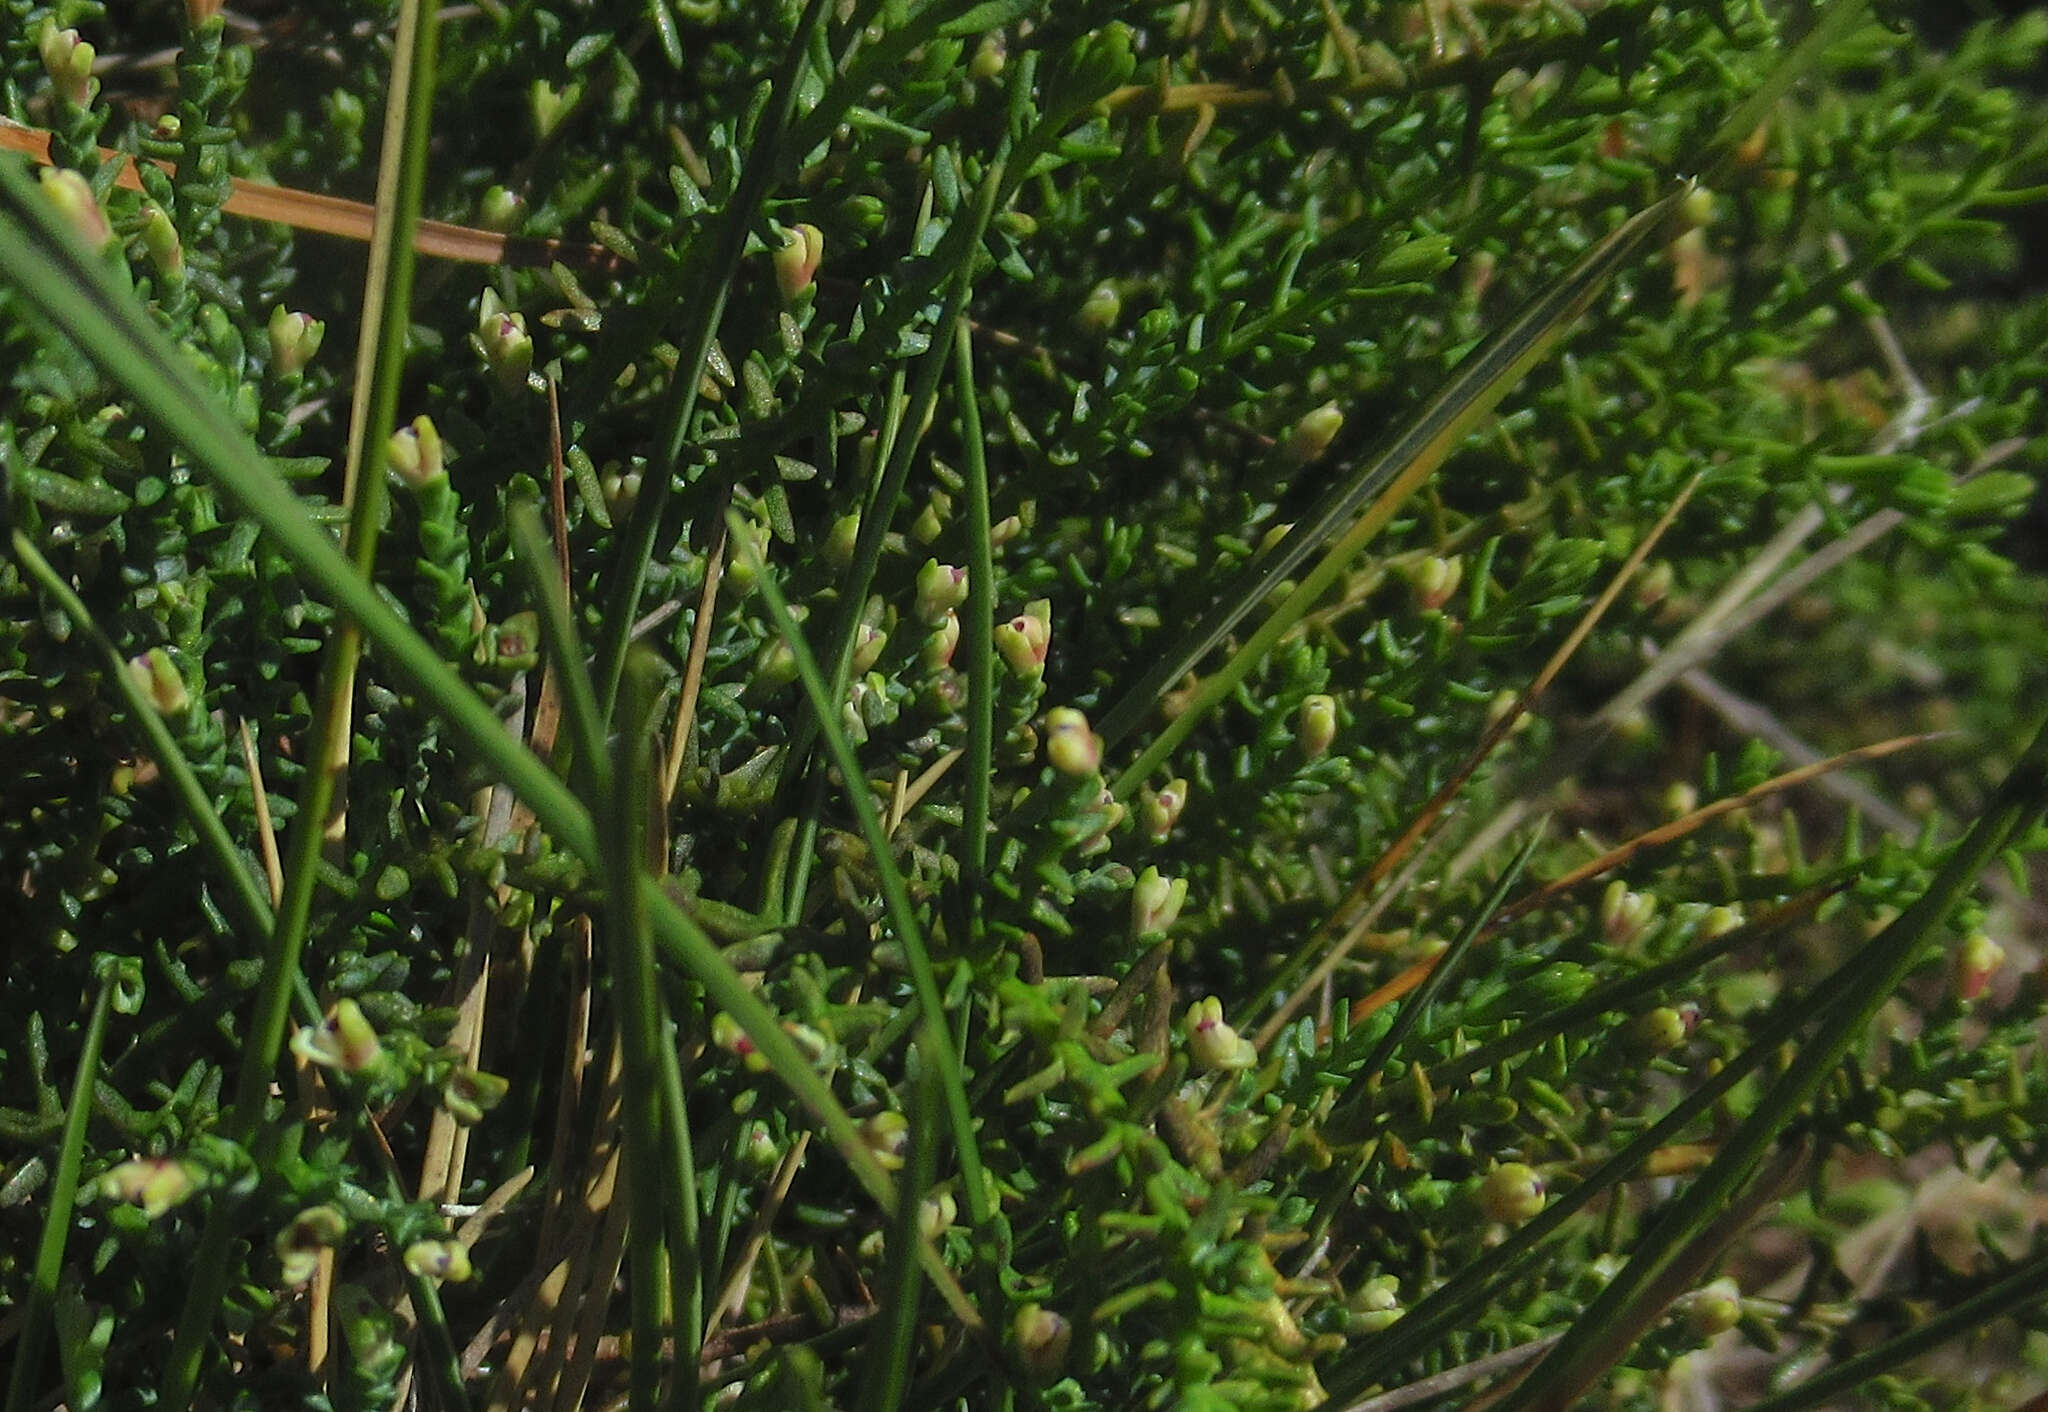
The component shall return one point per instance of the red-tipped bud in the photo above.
(415, 454)
(67, 59)
(1159, 811)
(940, 589)
(294, 339)
(797, 260)
(157, 675)
(939, 645)
(344, 1041)
(1043, 1340)
(72, 196)
(1434, 580)
(1213, 1044)
(1977, 960)
(1023, 641)
(438, 1260)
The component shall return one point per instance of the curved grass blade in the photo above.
(934, 1044)
(977, 631)
(58, 278)
(1866, 981)
(244, 894)
(63, 1195)
(2022, 1288)
(703, 309)
(1386, 479)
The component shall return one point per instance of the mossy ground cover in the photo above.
(1219, 705)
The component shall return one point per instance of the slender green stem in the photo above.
(1417, 1005)
(960, 247)
(2021, 1289)
(1386, 478)
(685, 1246)
(703, 307)
(388, 291)
(934, 1044)
(244, 890)
(889, 1374)
(636, 1001)
(63, 1196)
(1869, 979)
(977, 636)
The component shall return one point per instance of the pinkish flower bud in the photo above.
(72, 196)
(727, 1034)
(1070, 747)
(438, 1260)
(1624, 915)
(1023, 641)
(797, 260)
(1976, 961)
(1665, 1028)
(1156, 902)
(345, 1041)
(294, 339)
(940, 644)
(158, 677)
(156, 1184)
(471, 1093)
(298, 1245)
(940, 589)
(1043, 1340)
(503, 343)
(1511, 1193)
(868, 642)
(1714, 1309)
(1315, 726)
(887, 1135)
(68, 61)
(1434, 580)
(416, 455)
(936, 1214)
(1159, 812)
(1214, 1045)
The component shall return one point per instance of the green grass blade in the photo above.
(977, 633)
(1851, 1003)
(934, 1044)
(2015, 1294)
(62, 1198)
(1387, 477)
(1417, 1005)
(636, 1003)
(703, 307)
(387, 291)
(245, 893)
(959, 247)
(75, 294)
(889, 1374)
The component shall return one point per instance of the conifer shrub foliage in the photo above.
(786, 803)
